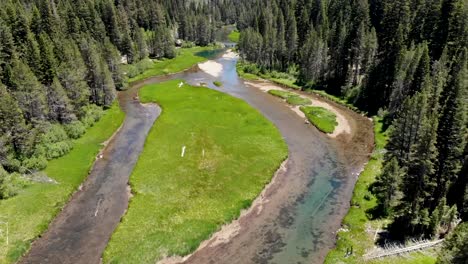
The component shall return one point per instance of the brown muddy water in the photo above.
(297, 224)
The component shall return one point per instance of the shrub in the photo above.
(218, 83)
(58, 149)
(92, 114)
(32, 164)
(132, 71)
(53, 142)
(187, 44)
(144, 65)
(8, 188)
(75, 129)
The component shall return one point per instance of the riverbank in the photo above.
(186, 58)
(204, 160)
(29, 213)
(343, 126)
(52, 205)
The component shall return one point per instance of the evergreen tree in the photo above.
(455, 248)
(28, 92)
(386, 187)
(452, 129)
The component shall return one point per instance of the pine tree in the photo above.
(48, 62)
(386, 187)
(291, 37)
(28, 92)
(452, 129)
(60, 109)
(72, 73)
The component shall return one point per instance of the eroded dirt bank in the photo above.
(79, 234)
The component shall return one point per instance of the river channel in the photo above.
(297, 223)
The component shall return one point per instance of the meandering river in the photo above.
(297, 223)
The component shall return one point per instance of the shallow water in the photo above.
(299, 223)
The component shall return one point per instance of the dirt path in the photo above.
(79, 234)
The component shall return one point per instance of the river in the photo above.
(297, 224)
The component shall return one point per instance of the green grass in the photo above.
(297, 100)
(179, 201)
(234, 36)
(218, 83)
(281, 93)
(30, 212)
(320, 117)
(185, 59)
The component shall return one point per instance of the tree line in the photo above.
(403, 59)
(60, 66)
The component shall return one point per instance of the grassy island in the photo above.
(208, 156)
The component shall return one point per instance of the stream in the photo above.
(297, 224)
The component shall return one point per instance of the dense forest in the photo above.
(405, 60)
(60, 66)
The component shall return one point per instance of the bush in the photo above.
(8, 188)
(218, 83)
(58, 149)
(75, 129)
(53, 142)
(144, 65)
(132, 71)
(92, 114)
(32, 164)
(188, 44)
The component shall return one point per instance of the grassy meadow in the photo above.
(323, 119)
(231, 153)
(186, 58)
(29, 213)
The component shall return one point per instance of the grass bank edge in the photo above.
(34, 208)
(290, 82)
(156, 247)
(185, 59)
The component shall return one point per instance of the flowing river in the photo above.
(304, 205)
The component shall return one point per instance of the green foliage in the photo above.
(75, 129)
(455, 249)
(234, 36)
(8, 186)
(322, 118)
(220, 173)
(218, 83)
(92, 114)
